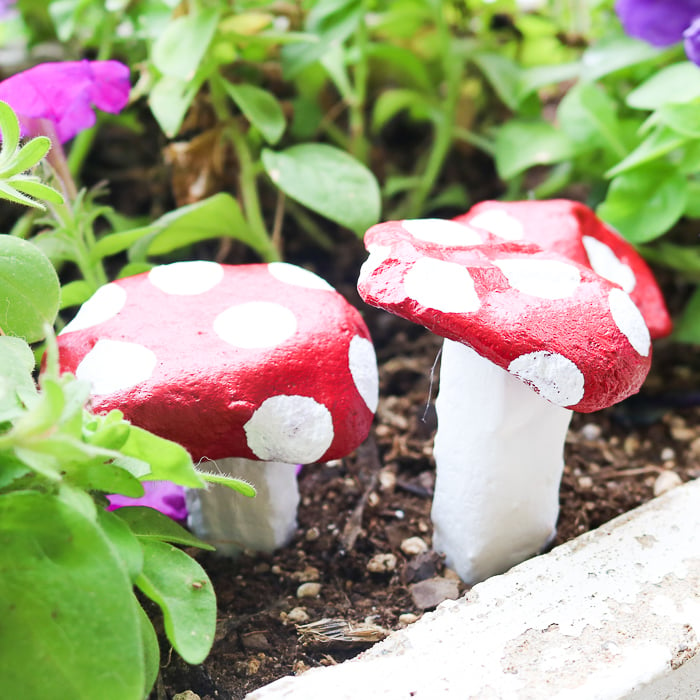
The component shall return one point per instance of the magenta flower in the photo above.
(164, 496)
(66, 94)
(663, 22)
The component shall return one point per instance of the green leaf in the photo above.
(260, 108)
(12, 195)
(183, 591)
(606, 57)
(70, 625)
(674, 84)
(521, 145)
(27, 184)
(107, 478)
(243, 487)
(588, 116)
(29, 289)
(125, 543)
(75, 293)
(179, 50)
(644, 203)
(169, 100)
(687, 327)
(504, 75)
(9, 128)
(148, 523)
(218, 216)
(660, 142)
(328, 181)
(151, 652)
(391, 102)
(168, 460)
(16, 366)
(27, 156)
(683, 118)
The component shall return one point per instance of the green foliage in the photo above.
(15, 184)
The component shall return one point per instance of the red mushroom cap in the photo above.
(574, 231)
(266, 362)
(576, 338)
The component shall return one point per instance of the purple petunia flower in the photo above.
(66, 93)
(663, 22)
(164, 496)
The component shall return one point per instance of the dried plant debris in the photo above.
(337, 632)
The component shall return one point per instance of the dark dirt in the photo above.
(357, 511)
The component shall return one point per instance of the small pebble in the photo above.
(387, 480)
(309, 590)
(382, 563)
(408, 618)
(373, 499)
(298, 616)
(431, 592)
(186, 695)
(309, 573)
(255, 641)
(413, 545)
(312, 534)
(667, 454)
(591, 431)
(585, 483)
(665, 481)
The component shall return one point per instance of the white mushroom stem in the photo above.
(233, 522)
(499, 456)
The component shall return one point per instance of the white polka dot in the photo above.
(293, 429)
(186, 278)
(377, 255)
(298, 276)
(363, 368)
(442, 232)
(499, 223)
(104, 304)
(113, 365)
(441, 285)
(628, 318)
(555, 377)
(607, 264)
(255, 324)
(549, 279)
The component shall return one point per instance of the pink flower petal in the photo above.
(164, 496)
(66, 92)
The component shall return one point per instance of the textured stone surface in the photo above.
(570, 334)
(613, 614)
(265, 362)
(573, 230)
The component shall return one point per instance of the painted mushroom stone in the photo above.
(529, 336)
(573, 336)
(266, 361)
(573, 230)
(253, 368)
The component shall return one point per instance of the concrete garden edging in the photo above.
(612, 614)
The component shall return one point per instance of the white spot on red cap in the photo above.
(442, 232)
(555, 377)
(443, 286)
(607, 264)
(377, 255)
(628, 318)
(103, 305)
(186, 278)
(363, 368)
(114, 365)
(499, 223)
(298, 276)
(256, 324)
(548, 279)
(293, 429)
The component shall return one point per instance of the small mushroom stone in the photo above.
(530, 335)
(263, 364)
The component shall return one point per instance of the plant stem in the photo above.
(444, 125)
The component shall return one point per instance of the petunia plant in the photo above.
(70, 568)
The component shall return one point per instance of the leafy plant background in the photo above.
(299, 103)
